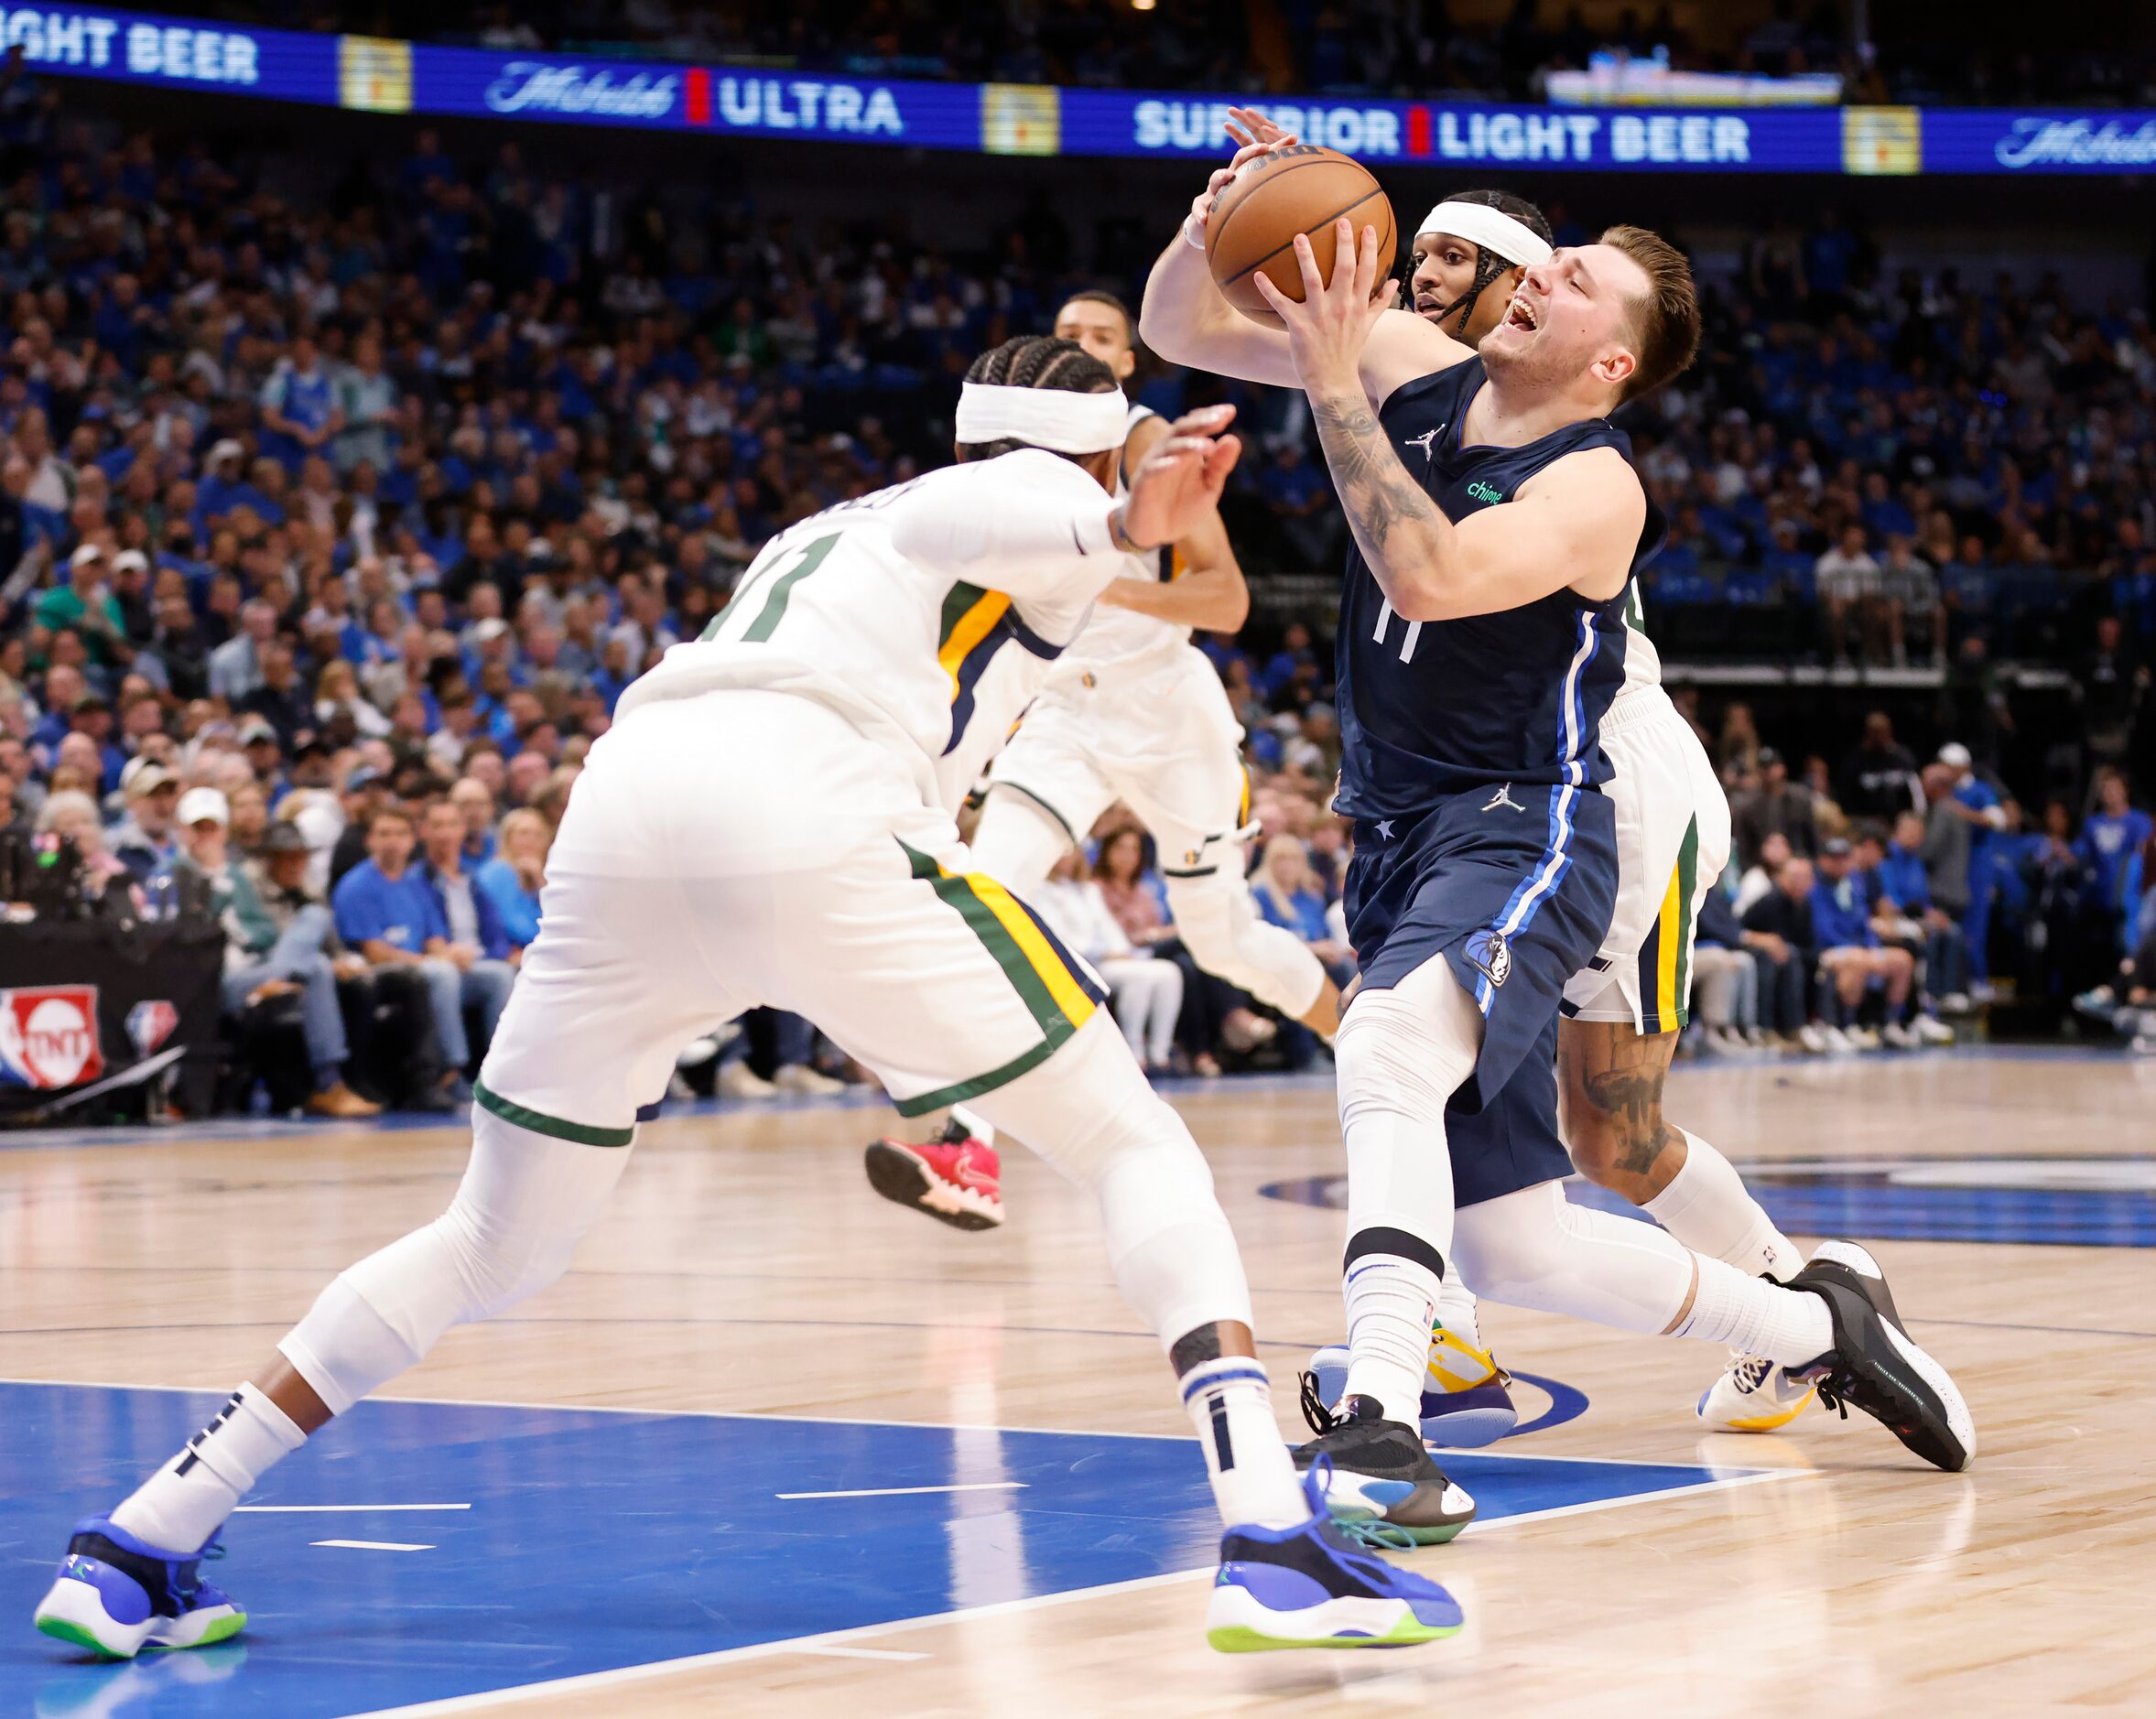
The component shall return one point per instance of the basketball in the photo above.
(1251, 229)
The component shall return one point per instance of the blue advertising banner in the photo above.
(373, 75)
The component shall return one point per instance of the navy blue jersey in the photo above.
(1433, 708)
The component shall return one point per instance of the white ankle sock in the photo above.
(1789, 1326)
(1230, 1404)
(1457, 1311)
(180, 1506)
(1392, 1305)
(1707, 1208)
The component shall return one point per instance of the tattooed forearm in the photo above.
(1397, 526)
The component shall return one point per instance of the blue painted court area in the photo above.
(592, 1542)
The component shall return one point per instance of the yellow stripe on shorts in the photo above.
(1071, 998)
(968, 631)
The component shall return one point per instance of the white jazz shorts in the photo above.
(743, 848)
(1164, 740)
(1673, 840)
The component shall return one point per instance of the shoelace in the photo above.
(1378, 1536)
(1752, 1372)
(1320, 1418)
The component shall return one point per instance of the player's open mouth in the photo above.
(1519, 314)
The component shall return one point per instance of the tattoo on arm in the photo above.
(1395, 523)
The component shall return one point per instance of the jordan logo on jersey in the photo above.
(1427, 442)
(1503, 797)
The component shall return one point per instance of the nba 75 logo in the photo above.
(49, 1036)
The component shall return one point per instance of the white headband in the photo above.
(1492, 229)
(1054, 418)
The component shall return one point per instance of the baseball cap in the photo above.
(256, 729)
(131, 560)
(1836, 847)
(144, 775)
(1768, 756)
(1955, 753)
(199, 806)
(93, 700)
(492, 628)
(284, 837)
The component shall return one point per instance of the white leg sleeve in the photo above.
(1089, 1113)
(1535, 1249)
(1221, 927)
(1017, 841)
(525, 1201)
(1402, 1054)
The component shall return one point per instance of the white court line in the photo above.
(326, 1510)
(903, 1492)
(590, 1681)
(372, 1545)
(862, 1653)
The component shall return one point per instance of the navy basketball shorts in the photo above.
(1514, 887)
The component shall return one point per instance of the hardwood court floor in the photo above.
(745, 1268)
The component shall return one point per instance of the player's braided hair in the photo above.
(1035, 360)
(1490, 264)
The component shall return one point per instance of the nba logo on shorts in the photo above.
(49, 1036)
(149, 1024)
(1487, 950)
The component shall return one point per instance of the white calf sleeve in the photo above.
(1087, 1111)
(1018, 840)
(1457, 1311)
(1221, 927)
(525, 1201)
(1534, 1248)
(1707, 1208)
(1401, 1053)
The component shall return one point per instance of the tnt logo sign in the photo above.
(49, 1036)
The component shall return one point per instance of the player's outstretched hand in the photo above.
(1180, 479)
(1254, 135)
(1327, 331)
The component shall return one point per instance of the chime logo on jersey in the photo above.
(1488, 952)
(149, 1024)
(49, 1036)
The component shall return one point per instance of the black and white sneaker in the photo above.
(1380, 1470)
(1873, 1365)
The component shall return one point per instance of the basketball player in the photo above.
(1623, 1014)
(1132, 711)
(762, 826)
(1482, 642)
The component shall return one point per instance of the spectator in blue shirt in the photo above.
(2111, 837)
(1850, 954)
(1972, 800)
(1289, 894)
(389, 912)
(513, 878)
(1902, 886)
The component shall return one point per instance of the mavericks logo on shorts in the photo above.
(1487, 949)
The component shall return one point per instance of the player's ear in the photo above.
(1617, 366)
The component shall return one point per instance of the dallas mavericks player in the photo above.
(1481, 640)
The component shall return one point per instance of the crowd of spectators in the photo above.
(330, 533)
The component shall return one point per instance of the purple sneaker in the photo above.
(1317, 1586)
(115, 1595)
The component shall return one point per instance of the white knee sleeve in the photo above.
(1089, 1113)
(1018, 840)
(1535, 1249)
(1221, 927)
(526, 1202)
(1401, 1054)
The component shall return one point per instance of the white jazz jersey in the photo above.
(761, 825)
(926, 614)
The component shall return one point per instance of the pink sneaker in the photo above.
(955, 1177)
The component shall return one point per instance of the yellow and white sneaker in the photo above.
(1467, 1396)
(1753, 1395)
